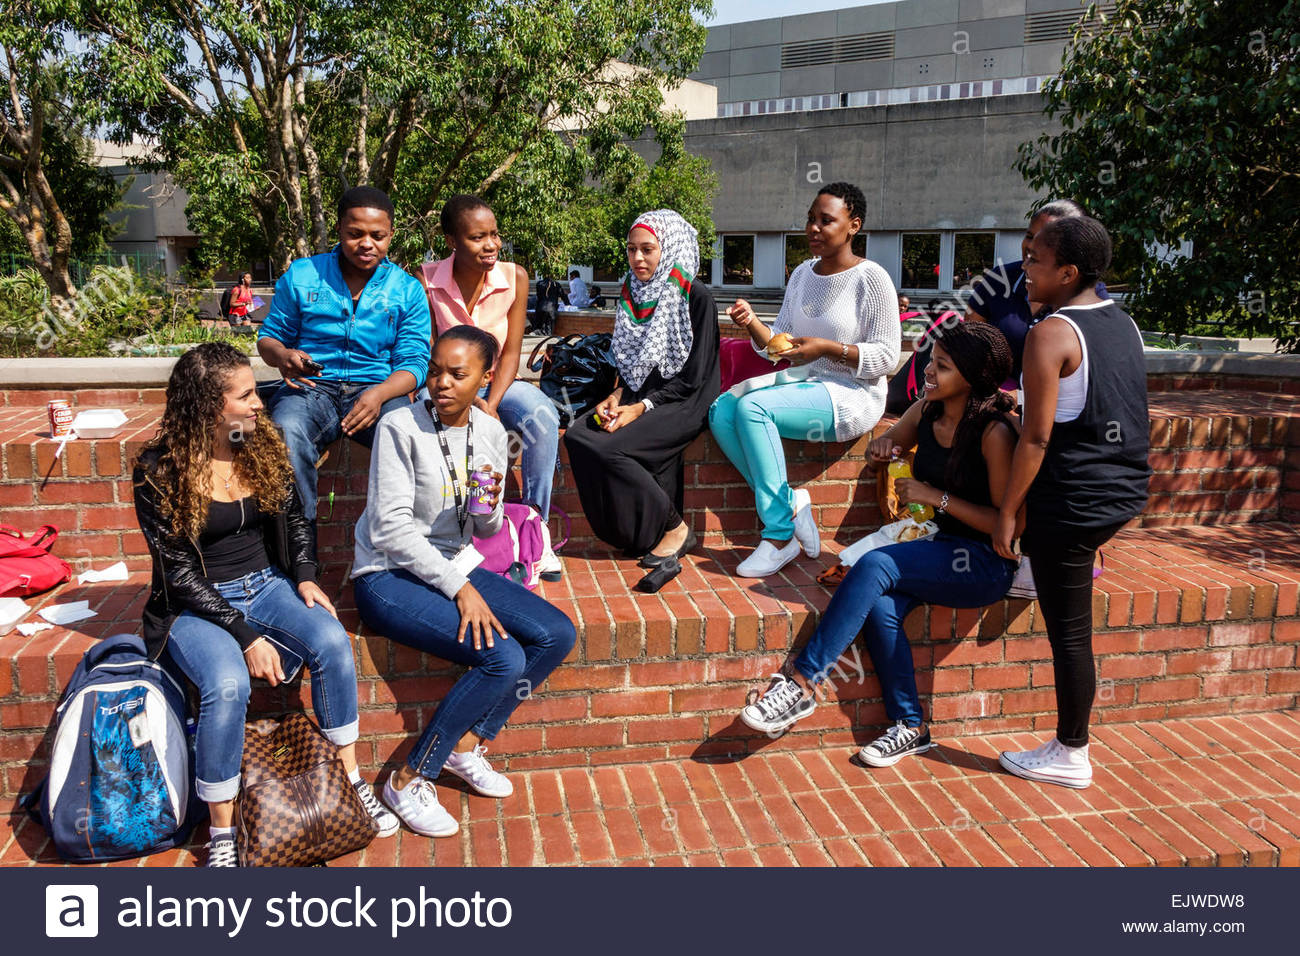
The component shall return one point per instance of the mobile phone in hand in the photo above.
(312, 368)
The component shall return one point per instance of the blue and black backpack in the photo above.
(120, 767)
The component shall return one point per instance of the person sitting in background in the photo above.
(549, 295)
(417, 580)
(627, 458)
(998, 296)
(472, 287)
(234, 592)
(349, 332)
(579, 297)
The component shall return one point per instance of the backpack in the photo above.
(225, 301)
(516, 551)
(578, 372)
(120, 765)
(26, 565)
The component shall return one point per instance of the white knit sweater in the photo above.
(858, 306)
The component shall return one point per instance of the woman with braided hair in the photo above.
(965, 438)
(234, 593)
(627, 458)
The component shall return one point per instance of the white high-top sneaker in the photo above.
(1052, 762)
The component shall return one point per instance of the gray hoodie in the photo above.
(410, 518)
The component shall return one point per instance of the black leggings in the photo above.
(1062, 560)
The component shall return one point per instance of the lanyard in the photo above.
(462, 503)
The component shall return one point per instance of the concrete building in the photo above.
(922, 103)
(153, 224)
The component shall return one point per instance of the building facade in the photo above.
(922, 103)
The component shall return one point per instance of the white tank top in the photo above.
(1072, 391)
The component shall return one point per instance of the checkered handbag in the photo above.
(296, 806)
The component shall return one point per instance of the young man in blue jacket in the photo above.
(349, 331)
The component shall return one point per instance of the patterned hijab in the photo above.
(652, 327)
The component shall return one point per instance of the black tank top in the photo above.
(231, 542)
(1095, 471)
(930, 464)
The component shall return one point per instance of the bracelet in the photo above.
(943, 504)
(255, 643)
(844, 352)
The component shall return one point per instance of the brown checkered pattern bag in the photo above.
(296, 806)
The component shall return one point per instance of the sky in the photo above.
(738, 11)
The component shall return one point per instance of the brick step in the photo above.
(1219, 458)
(1182, 792)
(1189, 621)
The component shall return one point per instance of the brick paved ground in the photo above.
(1199, 792)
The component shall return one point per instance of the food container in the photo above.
(99, 422)
(59, 411)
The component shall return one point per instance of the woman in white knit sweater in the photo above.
(841, 314)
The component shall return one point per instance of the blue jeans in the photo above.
(310, 419)
(880, 590)
(749, 432)
(526, 411)
(209, 656)
(405, 609)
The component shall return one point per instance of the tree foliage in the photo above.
(55, 199)
(266, 109)
(1178, 124)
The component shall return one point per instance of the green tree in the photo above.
(55, 199)
(1178, 124)
(265, 110)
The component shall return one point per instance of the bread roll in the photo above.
(779, 343)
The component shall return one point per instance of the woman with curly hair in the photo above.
(234, 592)
(839, 325)
(965, 436)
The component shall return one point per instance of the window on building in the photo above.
(606, 274)
(737, 260)
(972, 254)
(920, 260)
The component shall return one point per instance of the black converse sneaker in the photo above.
(386, 822)
(221, 852)
(783, 703)
(894, 744)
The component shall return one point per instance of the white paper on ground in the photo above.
(12, 609)
(114, 572)
(35, 627)
(69, 613)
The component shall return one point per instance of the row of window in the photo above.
(973, 252)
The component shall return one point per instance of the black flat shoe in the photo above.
(653, 560)
(661, 575)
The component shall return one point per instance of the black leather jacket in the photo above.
(180, 582)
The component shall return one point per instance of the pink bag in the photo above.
(26, 565)
(516, 551)
(738, 361)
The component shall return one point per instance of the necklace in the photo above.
(227, 479)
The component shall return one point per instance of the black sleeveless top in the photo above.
(231, 542)
(1095, 471)
(930, 464)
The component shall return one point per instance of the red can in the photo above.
(60, 412)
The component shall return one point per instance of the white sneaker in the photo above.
(473, 768)
(1052, 762)
(549, 567)
(768, 559)
(805, 526)
(1022, 585)
(417, 804)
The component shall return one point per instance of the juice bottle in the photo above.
(899, 468)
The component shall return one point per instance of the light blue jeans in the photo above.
(528, 413)
(749, 431)
(210, 657)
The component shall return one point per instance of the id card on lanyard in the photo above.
(468, 558)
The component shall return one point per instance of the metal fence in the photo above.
(141, 263)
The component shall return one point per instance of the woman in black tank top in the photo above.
(965, 441)
(1079, 477)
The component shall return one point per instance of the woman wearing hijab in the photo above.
(627, 457)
